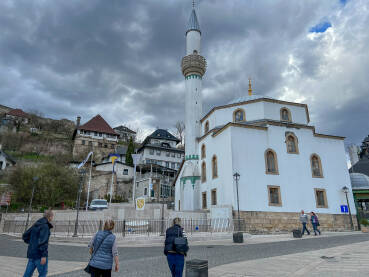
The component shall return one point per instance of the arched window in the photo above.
(203, 151)
(286, 115)
(214, 165)
(203, 172)
(292, 144)
(271, 163)
(316, 166)
(239, 115)
(206, 129)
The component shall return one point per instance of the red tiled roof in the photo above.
(18, 113)
(97, 124)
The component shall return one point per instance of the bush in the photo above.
(364, 222)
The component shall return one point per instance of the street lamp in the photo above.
(82, 175)
(136, 159)
(346, 191)
(34, 179)
(236, 177)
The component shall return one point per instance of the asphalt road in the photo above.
(150, 261)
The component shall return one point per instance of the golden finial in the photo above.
(250, 89)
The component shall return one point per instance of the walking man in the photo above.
(304, 220)
(37, 238)
(175, 252)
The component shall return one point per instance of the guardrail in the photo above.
(131, 227)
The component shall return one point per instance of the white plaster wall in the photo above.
(255, 111)
(295, 178)
(193, 110)
(221, 147)
(118, 168)
(273, 111)
(193, 42)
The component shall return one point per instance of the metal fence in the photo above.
(131, 227)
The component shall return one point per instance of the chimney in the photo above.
(78, 121)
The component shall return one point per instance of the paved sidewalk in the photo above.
(342, 261)
(12, 266)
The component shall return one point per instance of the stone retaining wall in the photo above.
(272, 222)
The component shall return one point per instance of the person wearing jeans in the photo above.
(304, 221)
(37, 238)
(175, 258)
(315, 222)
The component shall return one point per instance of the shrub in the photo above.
(364, 222)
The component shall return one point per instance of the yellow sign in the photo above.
(140, 204)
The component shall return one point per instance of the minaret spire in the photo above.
(193, 4)
(250, 89)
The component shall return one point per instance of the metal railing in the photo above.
(131, 227)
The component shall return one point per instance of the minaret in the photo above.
(193, 69)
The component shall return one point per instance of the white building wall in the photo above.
(193, 42)
(255, 111)
(118, 168)
(273, 111)
(295, 177)
(224, 156)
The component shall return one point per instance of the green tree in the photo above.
(55, 184)
(130, 151)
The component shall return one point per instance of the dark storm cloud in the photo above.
(122, 58)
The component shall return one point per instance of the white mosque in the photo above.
(283, 164)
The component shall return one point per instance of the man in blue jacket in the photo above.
(37, 238)
(174, 256)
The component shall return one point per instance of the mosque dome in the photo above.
(246, 98)
(359, 181)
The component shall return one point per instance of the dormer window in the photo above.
(286, 115)
(195, 52)
(239, 115)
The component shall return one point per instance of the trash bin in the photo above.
(238, 237)
(297, 233)
(197, 268)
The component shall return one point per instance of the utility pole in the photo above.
(82, 175)
(34, 180)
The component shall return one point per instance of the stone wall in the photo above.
(272, 222)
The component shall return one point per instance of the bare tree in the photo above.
(180, 129)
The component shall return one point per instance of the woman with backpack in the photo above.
(176, 247)
(103, 249)
(315, 222)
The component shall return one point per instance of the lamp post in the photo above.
(346, 191)
(34, 181)
(82, 175)
(236, 177)
(136, 159)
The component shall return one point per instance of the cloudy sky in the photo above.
(121, 59)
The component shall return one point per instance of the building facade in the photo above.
(284, 165)
(125, 134)
(160, 148)
(95, 135)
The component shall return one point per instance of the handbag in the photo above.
(88, 268)
(180, 244)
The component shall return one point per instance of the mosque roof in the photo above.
(359, 181)
(193, 23)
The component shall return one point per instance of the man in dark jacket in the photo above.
(174, 257)
(37, 238)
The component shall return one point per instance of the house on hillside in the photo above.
(4, 109)
(103, 177)
(161, 148)
(125, 134)
(5, 160)
(95, 135)
(120, 151)
(18, 116)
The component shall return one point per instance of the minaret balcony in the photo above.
(193, 64)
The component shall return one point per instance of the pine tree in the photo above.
(130, 151)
